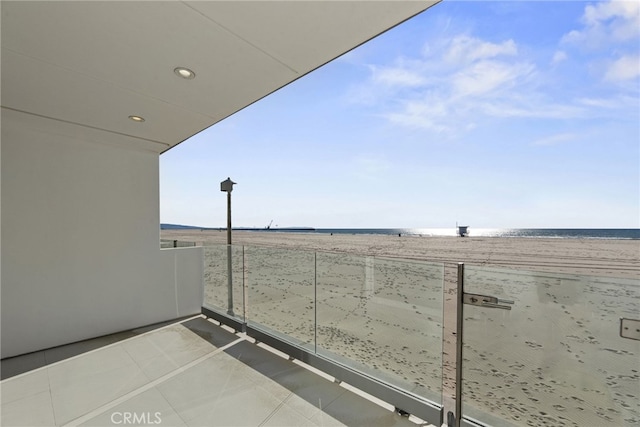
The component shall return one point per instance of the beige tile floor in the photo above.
(190, 373)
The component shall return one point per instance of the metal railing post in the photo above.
(229, 282)
(315, 302)
(245, 296)
(459, 343)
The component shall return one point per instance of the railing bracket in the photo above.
(401, 412)
(630, 328)
(486, 301)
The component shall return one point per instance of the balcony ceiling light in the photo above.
(137, 119)
(185, 73)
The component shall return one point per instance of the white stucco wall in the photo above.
(80, 242)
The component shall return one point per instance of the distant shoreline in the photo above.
(554, 233)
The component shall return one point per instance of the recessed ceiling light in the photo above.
(137, 119)
(185, 73)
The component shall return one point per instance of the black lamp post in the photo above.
(227, 185)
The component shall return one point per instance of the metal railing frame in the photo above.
(422, 408)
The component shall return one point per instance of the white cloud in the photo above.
(610, 29)
(536, 109)
(594, 14)
(607, 22)
(397, 76)
(386, 80)
(445, 94)
(558, 57)
(465, 49)
(485, 77)
(455, 84)
(625, 68)
(431, 113)
(448, 82)
(574, 36)
(625, 10)
(620, 102)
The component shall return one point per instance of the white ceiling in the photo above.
(88, 65)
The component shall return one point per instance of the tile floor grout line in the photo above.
(94, 350)
(53, 409)
(222, 389)
(175, 411)
(274, 411)
(164, 353)
(86, 417)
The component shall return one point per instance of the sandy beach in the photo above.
(599, 257)
(556, 358)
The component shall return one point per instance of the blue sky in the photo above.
(492, 114)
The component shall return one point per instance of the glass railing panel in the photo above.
(216, 279)
(383, 317)
(280, 293)
(555, 358)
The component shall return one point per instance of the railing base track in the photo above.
(428, 411)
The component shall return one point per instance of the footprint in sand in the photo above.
(533, 344)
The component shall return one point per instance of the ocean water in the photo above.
(557, 233)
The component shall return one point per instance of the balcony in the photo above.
(192, 372)
(319, 338)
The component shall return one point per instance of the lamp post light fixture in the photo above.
(227, 186)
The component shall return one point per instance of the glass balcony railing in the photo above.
(281, 294)
(382, 317)
(376, 320)
(533, 348)
(557, 357)
(224, 279)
